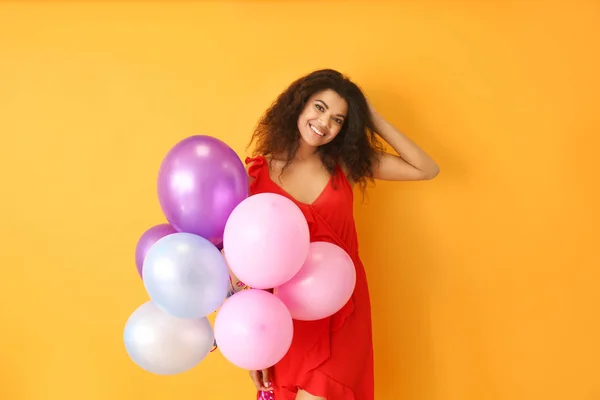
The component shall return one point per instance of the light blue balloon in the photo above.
(186, 275)
(166, 345)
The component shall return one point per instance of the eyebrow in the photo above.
(327, 107)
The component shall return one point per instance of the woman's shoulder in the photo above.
(264, 158)
(272, 162)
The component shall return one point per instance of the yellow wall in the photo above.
(485, 280)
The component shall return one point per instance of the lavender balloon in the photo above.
(200, 182)
(186, 276)
(147, 240)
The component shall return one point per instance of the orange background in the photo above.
(484, 281)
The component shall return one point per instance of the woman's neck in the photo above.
(305, 152)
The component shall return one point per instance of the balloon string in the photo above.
(230, 293)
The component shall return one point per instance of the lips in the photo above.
(321, 131)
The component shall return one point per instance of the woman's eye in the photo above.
(319, 107)
(337, 120)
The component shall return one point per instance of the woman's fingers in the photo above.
(256, 378)
(266, 379)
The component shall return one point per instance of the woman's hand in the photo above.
(236, 284)
(372, 110)
(262, 380)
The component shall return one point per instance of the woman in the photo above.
(318, 140)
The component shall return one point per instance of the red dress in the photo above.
(332, 357)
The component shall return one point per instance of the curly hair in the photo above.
(354, 148)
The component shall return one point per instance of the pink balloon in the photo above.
(147, 240)
(266, 240)
(253, 329)
(323, 286)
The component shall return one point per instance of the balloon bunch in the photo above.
(203, 192)
(200, 182)
(267, 246)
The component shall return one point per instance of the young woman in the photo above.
(319, 139)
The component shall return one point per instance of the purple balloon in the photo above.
(200, 182)
(147, 240)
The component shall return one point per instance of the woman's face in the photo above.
(322, 118)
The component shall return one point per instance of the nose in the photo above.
(324, 119)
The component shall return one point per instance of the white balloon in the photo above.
(186, 275)
(166, 345)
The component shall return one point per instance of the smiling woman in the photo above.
(315, 142)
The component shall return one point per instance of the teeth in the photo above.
(317, 131)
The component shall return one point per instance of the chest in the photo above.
(304, 182)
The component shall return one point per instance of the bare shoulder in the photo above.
(275, 164)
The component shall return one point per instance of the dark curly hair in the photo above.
(354, 148)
